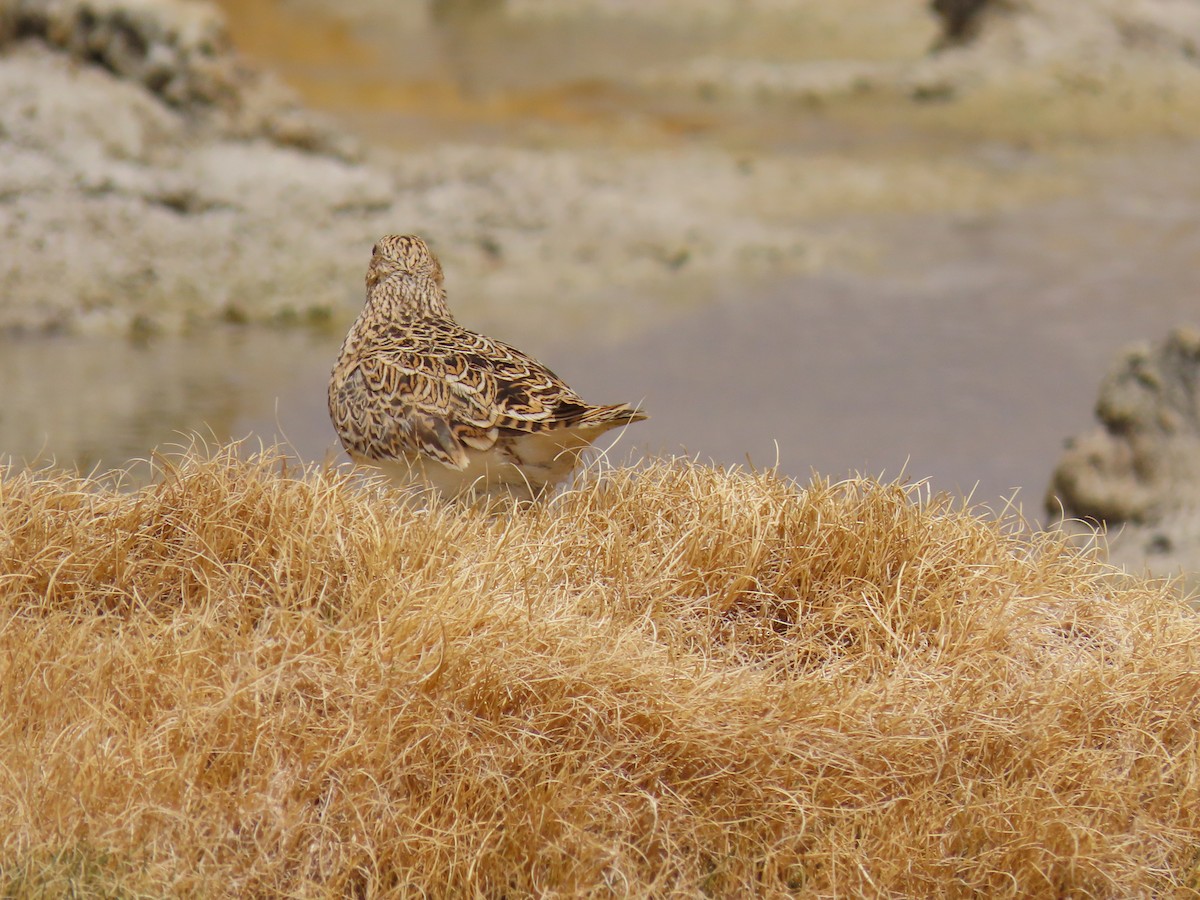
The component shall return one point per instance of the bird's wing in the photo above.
(440, 390)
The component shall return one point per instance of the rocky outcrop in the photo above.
(1144, 462)
(180, 52)
(986, 40)
(150, 178)
(1034, 28)
(1036, 46)
(1139, 474)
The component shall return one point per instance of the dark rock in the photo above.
(961, 19)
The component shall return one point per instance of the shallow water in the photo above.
(967, 357)
(966, 351)
(407, 74)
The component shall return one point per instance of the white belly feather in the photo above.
(522, 466)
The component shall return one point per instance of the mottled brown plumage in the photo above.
(420, 397)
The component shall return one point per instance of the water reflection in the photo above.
(97, 402)
(968, 357)
(406, 74)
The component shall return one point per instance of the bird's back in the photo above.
(420, 396)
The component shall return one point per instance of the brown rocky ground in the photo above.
(149, 174)
(153, 178)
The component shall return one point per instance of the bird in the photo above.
(424, 400)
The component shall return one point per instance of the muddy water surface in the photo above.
(967, 357)
(407, 74)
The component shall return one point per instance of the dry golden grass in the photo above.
(676, 681)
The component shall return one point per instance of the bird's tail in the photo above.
(607, 417)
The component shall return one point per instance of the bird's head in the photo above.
(404, 279)
(405, 255)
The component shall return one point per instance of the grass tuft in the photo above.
(251, 680)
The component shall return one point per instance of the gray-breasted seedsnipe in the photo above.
(420, 397)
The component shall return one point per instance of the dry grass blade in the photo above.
(248, 681)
